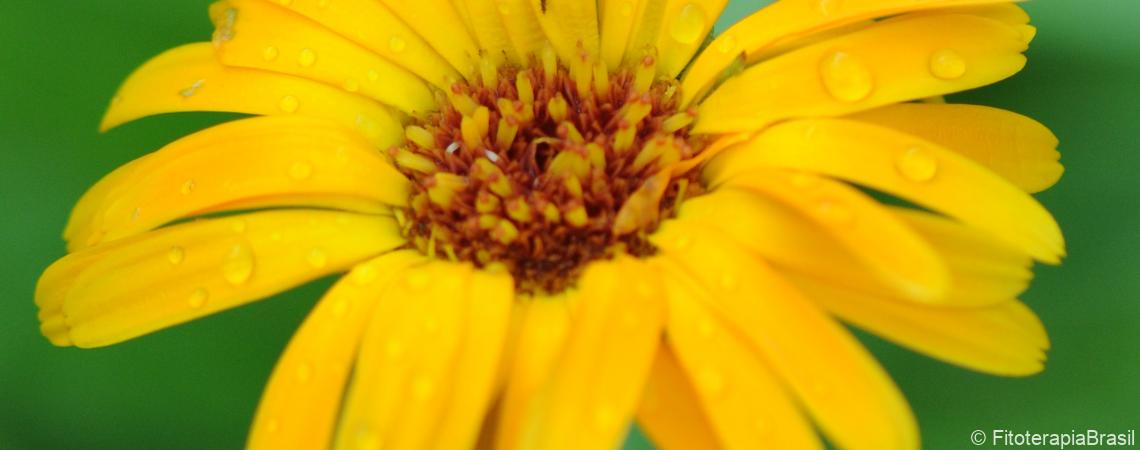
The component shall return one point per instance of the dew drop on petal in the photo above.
(363, 275)
(270, 53)
(688, 24)
(373, 75)
(917, 164)
(728, 282)
(606, 418)
(423, 387)
(289, 104)
(317, 258)
(726, 44)
(304, 372)
(198, 298)
(394, 349)
(237, 267)
(272, 426)
(683, 242)
(397, 44)
(307, 57)
(947, 64)
(300, 170)
(845, 77)
(828, 7)
(340, 308)
(351, 85)
(238, 226)
(366, 439)
(835, 213)
(187, 187)
(710, 382)
(175, 255)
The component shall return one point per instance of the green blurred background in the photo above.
(196, 386)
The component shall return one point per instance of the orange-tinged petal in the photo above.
(899, 59)
(904, 166)
(137, 285)
(732, 379)
(881, 242)
(542, 326)
(249, 163)
(438, 22)
(374, 26)
(189, 78)
(792, 20)
(593, 390)
(683, 31)
(1016, 147)
(670, 412)
(299, 407)
(267, 37)
(1002, 339)
(847, 393)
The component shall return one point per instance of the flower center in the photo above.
(543, 169)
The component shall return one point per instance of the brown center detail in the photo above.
(530, 167)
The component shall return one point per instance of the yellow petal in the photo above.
(247, 163)
(375, 27)
(189, 78)
(570, 25)
(730, 376)
(881, 242)
(648, 17)
(490, 31)
(136, 285)
(1014, 146)
(848, 394)
(593, 390)
(791, 20)
(299, 407)
(617, 23)
(440, 25)
(490, 299)
(428, 361)
(670, 411)
(1003, 339)
(982, 270)
(522, 27)
(543, 324)
(904, 166)
(267, 37)
(685, 26)
(899, 59)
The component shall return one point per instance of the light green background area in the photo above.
(196, 386)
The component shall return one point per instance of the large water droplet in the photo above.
(351, 85)
(307, 57)
(710, 382)
(270, 53)
(726, 44)
(238, 226)
(237, 267)
(198, 298)
(689, 24)
(845, 77)
(317, 258)
(175, 255)
(373, 75)
(187, 187)
(947, 64)
(300, 170)
(917, 164)
(340, 308)
(397, 44)
(363, 275)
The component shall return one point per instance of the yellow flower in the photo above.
(555, 219)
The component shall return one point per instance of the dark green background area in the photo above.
(196, 386)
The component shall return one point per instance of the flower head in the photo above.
(558, 216)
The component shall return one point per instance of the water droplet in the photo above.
(272, 426)
(397, 44)
(300, 170)
(238, 226)
(187, 187)
(418, 279)
(917, 164)
(192, 89)
(175, 255)
(726, 44)
(363, 275)
(605, 418)
(317, 258)
(689, 23)
(307, 57)
(373, 75)
(237, 267)
(710, 382)
(270, 53)
(289, 104)
(845, 77)
(198, 298)
(135, 213)
(351, 85)
(947, 64)
(728, 282)
(304, 372)
(834, 212)
(828, 7)
(394, 349)
(423, 387)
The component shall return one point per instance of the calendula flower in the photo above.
(558, 216)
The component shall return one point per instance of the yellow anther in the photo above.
(557, 108)
(488, 221)
(471, 132)
(505, 232)
(446, 185)
(525, 88)
(549, 61)
(488, 73)
(505, 134)
(420, 136)
(623, 138)
(569, 132)
(576, 215)
(463, 103)
(413, 161)
(573, 185)
(569, 163)
(551, 213)
(597, 156)
(679, 121)
(519, 210)
(486, 202)
(662, 150)
(601, 79)
(646, 70)
(486, 171)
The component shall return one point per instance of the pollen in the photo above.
(542, 169)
